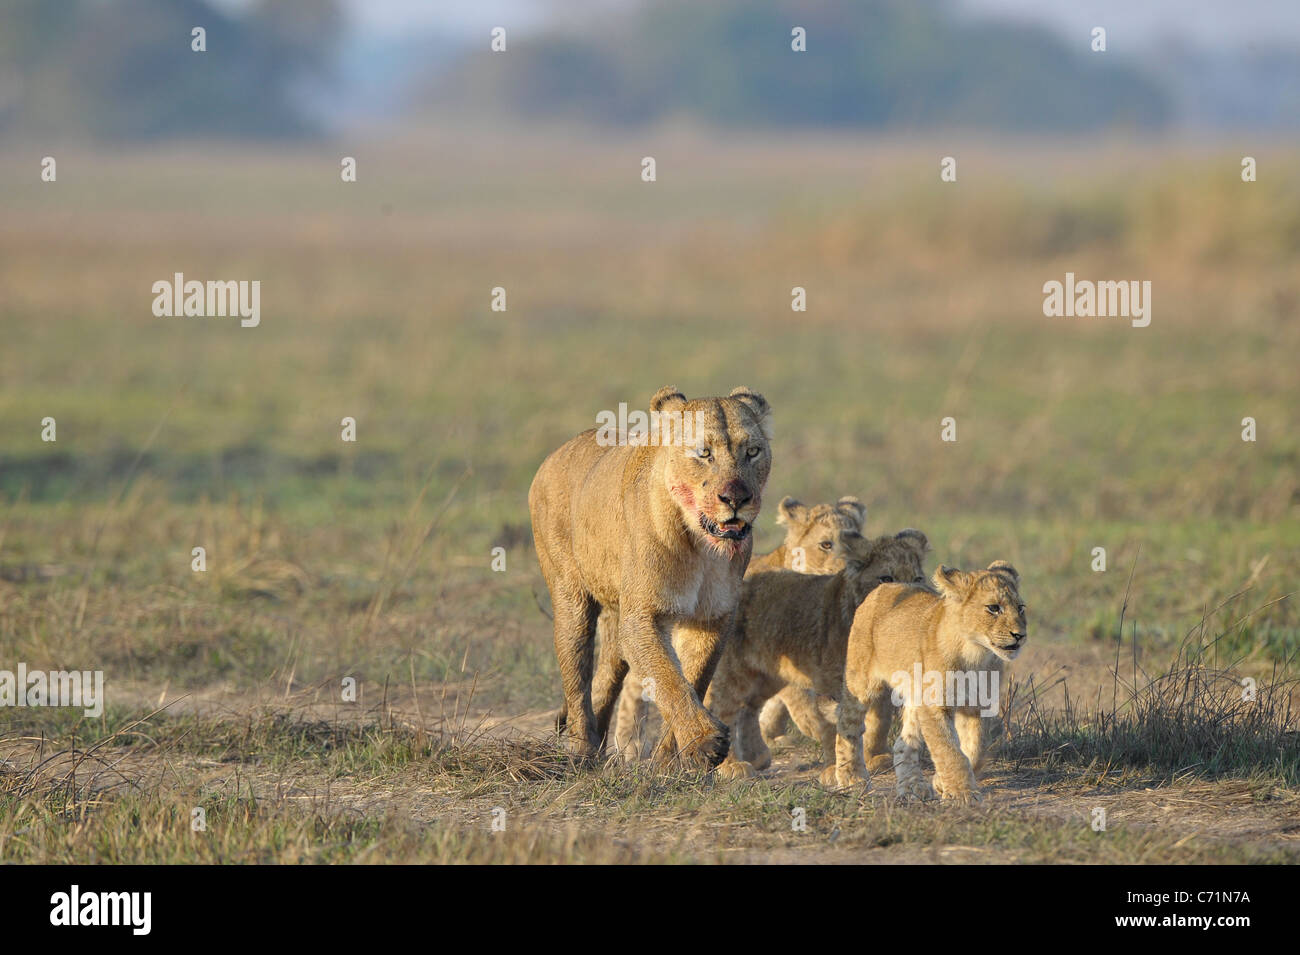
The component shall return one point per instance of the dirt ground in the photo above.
(732, 822)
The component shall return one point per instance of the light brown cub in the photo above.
(947, 648)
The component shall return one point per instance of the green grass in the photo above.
(328, 560)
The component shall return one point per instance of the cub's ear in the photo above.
(1002, 567)
(790, 511)
(757, 404)
(853, 509)
(855, 550)
(667, 398)
(950, 581)
(914, 539)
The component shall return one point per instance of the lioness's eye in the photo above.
(825, 545)
(886, 579)
(753, 453)
(703, 453)
(994, 609)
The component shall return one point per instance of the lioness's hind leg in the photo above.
(606, 686)
(575, 638)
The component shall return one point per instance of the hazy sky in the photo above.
(1209, 22)
(1129, 23)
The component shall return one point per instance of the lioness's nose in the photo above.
(735, 495)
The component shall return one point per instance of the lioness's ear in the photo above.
(1002, 567)
(757, 404)
(667, 398)
(950, 581)
(790, 511)
(853, 509)
(914, 539)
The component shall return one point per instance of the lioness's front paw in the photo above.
(582, 747)
(708, 748)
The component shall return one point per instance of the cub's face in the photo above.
(717, 470)
(989, 607)
(897, 558)
(814, 536)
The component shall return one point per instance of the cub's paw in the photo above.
(963, 794)
(832, 777)
(733, 769)
(762, 759)
(914, 789)
(774, 724)
(880, 763)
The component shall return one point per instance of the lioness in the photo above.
(661, 534)
(811, 538)
(794, 629)
(972, 625)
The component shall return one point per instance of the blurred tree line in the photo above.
(870, 63)
(124, 69)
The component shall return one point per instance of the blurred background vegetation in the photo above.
(123, 70)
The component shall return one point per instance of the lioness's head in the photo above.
(988, 606)
(893, 558)
(717, 470)
(814, 535)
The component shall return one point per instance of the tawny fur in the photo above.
(812, 534)
(793, 629)
(953, 630)
(661, 534)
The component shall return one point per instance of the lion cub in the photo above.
(793, 629)
(810, 536)
(810, 547)
(942, 654)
